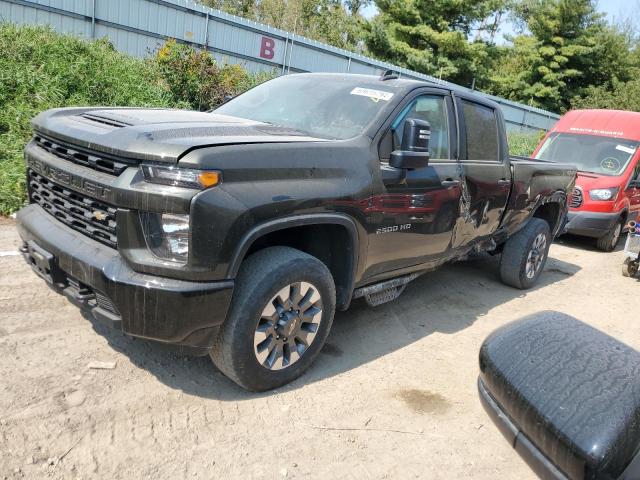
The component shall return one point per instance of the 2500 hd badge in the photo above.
(393, 228)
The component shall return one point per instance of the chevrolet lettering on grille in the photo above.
(69, 179)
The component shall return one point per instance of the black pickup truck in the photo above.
(238, 232)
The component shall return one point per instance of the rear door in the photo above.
(485, 170)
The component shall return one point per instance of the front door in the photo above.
(412, 220)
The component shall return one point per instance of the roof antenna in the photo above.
(388, 75)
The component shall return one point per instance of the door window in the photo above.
(481, 126)
(433, 109)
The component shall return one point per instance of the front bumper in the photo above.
(95, 277)
(590, 224)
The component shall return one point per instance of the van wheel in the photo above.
(525, 255)
(279, 319)
(610, 240)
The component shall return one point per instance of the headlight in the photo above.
(167, 235)
(181, 177)
(603, 193)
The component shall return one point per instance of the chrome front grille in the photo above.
(94, 161)
(576, 198)
(93, 218)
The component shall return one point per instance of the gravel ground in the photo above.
(393, 394)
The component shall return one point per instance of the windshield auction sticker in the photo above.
(375, 95)
(625, 149)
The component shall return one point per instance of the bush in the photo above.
(40, 69)
(194, 76)
(523, 144)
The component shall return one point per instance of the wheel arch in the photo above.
(332, 238)
(552, 210)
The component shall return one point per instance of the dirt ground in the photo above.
(393, 394)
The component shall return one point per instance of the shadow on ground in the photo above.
(587, 243)
(445, 301)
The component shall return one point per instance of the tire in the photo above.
(244, 349)
(629, 268)
(525, 255)
(609, 241)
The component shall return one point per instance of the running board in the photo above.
(384, 292)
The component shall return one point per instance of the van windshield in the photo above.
(589, 153)
(336, 108)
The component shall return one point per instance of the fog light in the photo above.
(167, 235)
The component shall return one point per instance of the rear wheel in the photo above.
(525, 254)
(609, 241)
(279, 319)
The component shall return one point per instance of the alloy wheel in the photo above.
(536, 255)
(288, 325)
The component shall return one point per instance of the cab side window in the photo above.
(481, 131)
(431, 108)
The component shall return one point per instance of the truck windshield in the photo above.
(589, 153)
(336, 108)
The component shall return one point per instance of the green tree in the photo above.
(432, 36)
(618, 96)
(568, 48)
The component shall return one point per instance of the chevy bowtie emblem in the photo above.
(98, 215)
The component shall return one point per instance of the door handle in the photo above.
(450, 182)
(503, 182)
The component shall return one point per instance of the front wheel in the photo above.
(610, 240)
(525, 255)
(280, 316)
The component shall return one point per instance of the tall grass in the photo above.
(523, 144)
(40, 69)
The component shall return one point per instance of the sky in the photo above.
(616, 10)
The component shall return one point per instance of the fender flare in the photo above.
(274, 225)
(561, 198)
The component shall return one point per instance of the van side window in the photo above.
(481, 131)
(433, 109)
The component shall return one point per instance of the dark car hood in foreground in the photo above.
(155, 134)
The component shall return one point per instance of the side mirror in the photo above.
(414, 151)
(565, 395)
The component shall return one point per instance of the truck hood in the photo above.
(160, 135)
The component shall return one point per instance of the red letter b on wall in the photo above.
(267, 48)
